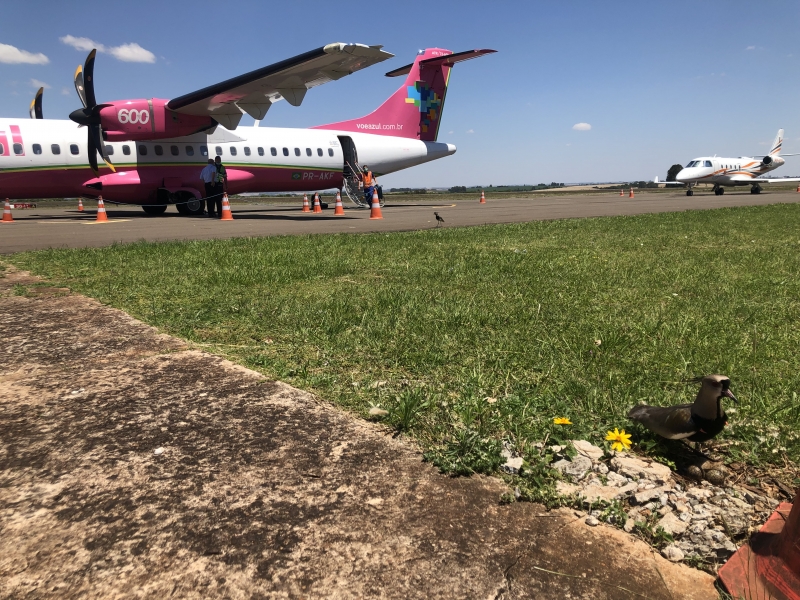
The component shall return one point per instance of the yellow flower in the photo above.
(622, 440)
(562, 421)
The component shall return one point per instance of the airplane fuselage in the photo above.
(717, 170)
(45, 158)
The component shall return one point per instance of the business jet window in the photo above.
(247, 150)
(73, 149)
(18, 149)
(126, 150)
(159, 150)
(174, 150)
(109, 150)
(54, 148)
(233, 151)
(286, 152)
(309, 152)
(189, 150)
(142, 149)
(707, 163)
(204, 150)
(330, 151)
(319, 151)
(37, 149)
(218, 150)
(297, 151)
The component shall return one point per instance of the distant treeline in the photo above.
(476, 189)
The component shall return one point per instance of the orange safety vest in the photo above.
(368, 178)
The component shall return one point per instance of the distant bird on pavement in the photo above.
(439, 220)
(696, 422)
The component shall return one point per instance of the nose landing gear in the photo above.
(690, 192)
(756, 189)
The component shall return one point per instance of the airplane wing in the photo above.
(781, 155)
(773, 180)
(656, 180)
(253, 93)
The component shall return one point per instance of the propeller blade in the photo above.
(88, 79)
(92, 150)
(36, 105)
(79, 85)
(97, 139)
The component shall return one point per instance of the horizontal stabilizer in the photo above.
(448, 60)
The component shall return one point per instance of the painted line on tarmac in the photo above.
(114, 221)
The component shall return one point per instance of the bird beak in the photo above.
(730, 395)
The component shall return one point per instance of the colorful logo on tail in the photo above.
(428, 102)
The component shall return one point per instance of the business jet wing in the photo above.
(254, 92)
(764, 179)
(656, 180)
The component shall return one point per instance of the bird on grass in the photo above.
(696, 422)
(439, 220)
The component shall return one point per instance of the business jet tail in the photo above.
(415, 110)
(775, 150)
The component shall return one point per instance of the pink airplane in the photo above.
(152, 151)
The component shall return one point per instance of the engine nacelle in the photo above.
(132, 120)
(766, 161)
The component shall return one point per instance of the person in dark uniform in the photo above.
(209, 177)
(222, 183)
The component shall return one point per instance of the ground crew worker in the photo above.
(368, 179)
(222, 183)
(209, 177)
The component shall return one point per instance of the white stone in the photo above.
(646, 495)
(592, 521)
(672, 553)
(158, 451)
(672, 524)
(634, 467)
(567, 489)
(588, 449)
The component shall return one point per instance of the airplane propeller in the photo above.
(36, 105)
(89, 115)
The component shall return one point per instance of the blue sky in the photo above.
(659, 82)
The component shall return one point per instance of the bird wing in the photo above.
(671, 422)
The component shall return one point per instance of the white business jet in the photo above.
(743, 170)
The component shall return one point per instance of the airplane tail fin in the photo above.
(415, 110)
(775, 150)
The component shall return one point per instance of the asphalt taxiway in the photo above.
(41, 228)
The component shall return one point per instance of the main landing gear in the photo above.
(718, 191)
(690, 192)
(756, 189)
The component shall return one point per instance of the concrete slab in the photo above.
(132, 466)
(67, 228)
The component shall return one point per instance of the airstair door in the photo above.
(350, 185)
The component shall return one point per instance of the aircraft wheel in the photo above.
(721, 191)
(757, 190)
(690, 192)
(190, 206)
(155, 210)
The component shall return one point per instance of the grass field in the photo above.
(472, 336)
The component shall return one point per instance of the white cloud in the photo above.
(450, 132)
(37, 84)
(750, 48)
(65, 91)
(132, 52)
(14, 56)
(470, 131)
(581, 127)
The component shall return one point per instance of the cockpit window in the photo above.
(691, 164)
(706, 163)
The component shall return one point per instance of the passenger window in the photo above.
(18, 150)
(189, 150)
(73, 149)
(174, 150)
(37, 149)
(109, 150)
(260, 151)
(273, 151)
(708, 163)
(142, 149)
(219, 150)
(286, 152)
(54, 148)
(204, 150)
(330, 151)
(308, 152)
(319, 151)
(126, 150)
(247, 150)
(158, 150)
(233, 150)
(297, 151)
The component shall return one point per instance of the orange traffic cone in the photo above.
(227, 215)
(102, 217)
(80, 205)
(798, 188)
(620, 193)
(306, 207)
(339, 210)
(375, 209)
(631, 194)
(483, 198)
(317, 205)
(7, 213)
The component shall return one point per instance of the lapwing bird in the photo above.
(439, 220)
(696, 422)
